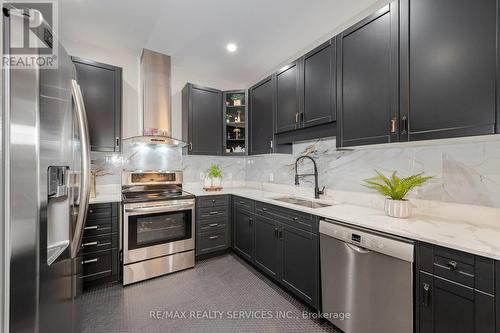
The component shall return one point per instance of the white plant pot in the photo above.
(216, 182)
(397, 208)
(207, 183)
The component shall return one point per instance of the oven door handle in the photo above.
(158, 209)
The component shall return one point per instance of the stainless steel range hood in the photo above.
(156, 100)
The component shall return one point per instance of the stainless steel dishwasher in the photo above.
(367, 279)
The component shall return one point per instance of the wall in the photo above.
(467, 173)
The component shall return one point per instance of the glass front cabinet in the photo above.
(235, 126)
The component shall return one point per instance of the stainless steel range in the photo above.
(158, 225)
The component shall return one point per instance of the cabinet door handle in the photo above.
(90, 261)
(89, 244)
(296, 117)
(190, 146)
(91, 211)
(404, 125)
(92, 227)
(117, 141)
(394, 125)
(275, 232)
(264, 209)
(452, 265)
(426, 294)
(295, 218)
(213, 237)
(213, 225)
(214, 213)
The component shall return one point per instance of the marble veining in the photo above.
(459, 234)
(467, 173)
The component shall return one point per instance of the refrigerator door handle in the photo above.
(85, 171)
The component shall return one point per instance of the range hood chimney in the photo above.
(156, 100)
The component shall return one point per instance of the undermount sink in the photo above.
(303, 202)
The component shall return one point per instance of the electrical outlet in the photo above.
(202, 176)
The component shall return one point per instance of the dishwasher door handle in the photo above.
(358, 249)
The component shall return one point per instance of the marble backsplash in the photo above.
(467, 173)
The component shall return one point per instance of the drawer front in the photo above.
(243, 203)
(96, 266)
(98, 243)
(291, 217)
(212, 241)
(100, 226)
(100, 211)
(460, 267)
(204, 213)
(454, 270)
(450, 264)
(212, 224)
(213, 201)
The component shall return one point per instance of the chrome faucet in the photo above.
(317, 191)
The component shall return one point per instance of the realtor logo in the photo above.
(33, 29)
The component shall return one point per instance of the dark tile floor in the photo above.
(216, 296)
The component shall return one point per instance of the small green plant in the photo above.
(214, 171)
(395, 188)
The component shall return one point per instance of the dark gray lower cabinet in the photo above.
(497, 288)
(455, 292)
(446, 306)
(299, 258)
(266, 245)
(100, 249)
(243, 236)
(213, 224)
(282, 243)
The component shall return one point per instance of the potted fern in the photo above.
(395, 190)
(214, 178)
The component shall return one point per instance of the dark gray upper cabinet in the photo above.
(319, 85)
(202, 119)
(367, 80)
(266, 245)
(262, 117)
(448, 67)
(287, 98)
(101, 86)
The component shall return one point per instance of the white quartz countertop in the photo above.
(483, 240)
(107, 193)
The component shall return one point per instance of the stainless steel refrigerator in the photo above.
(45, 156)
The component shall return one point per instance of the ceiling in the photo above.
(195, 32)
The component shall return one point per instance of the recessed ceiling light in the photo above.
(231, 47)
